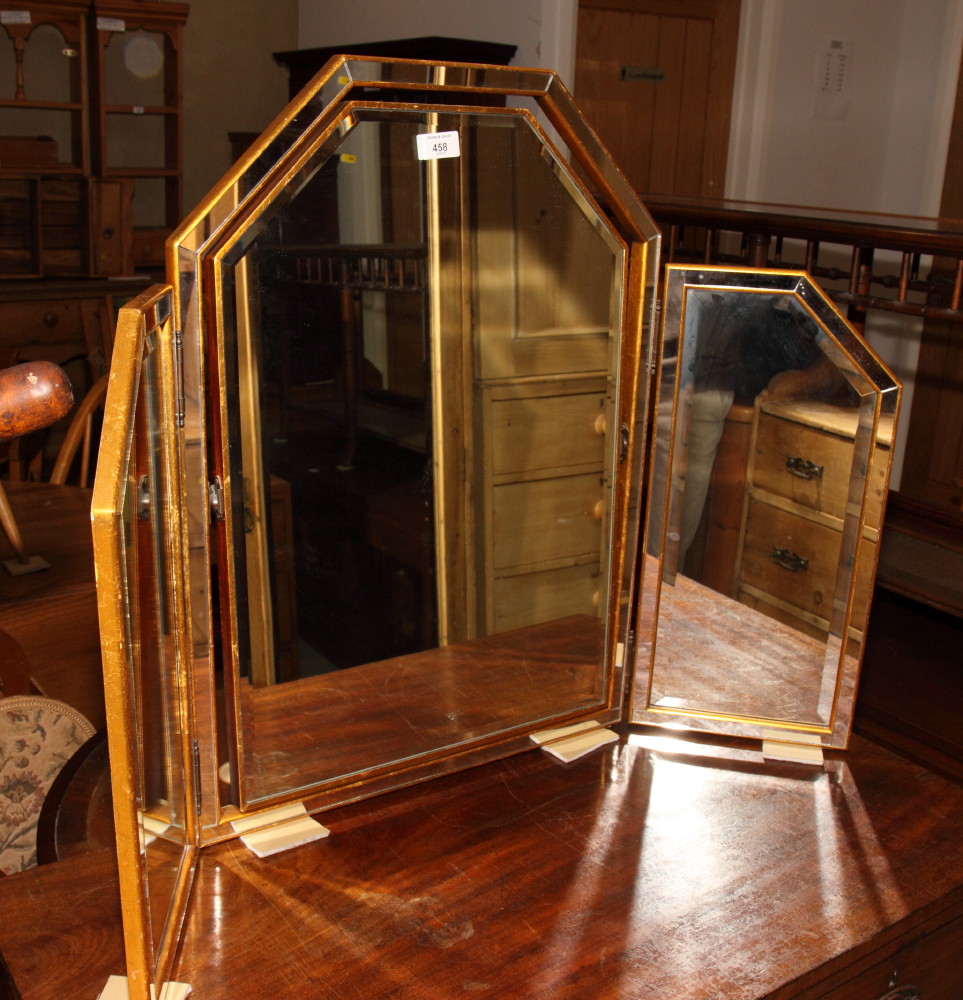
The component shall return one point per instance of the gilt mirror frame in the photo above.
(761, 634)
(138, 533)
(346, 91)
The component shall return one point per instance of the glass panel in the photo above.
(160, 796)
(134, 69)
(400, 594)
(761, 545)
(51, 67)
(8, 68)
(44, 125)
(136, 141)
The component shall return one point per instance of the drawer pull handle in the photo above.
(51, 318)
(903, 993)
(803, 468)
(789, 560)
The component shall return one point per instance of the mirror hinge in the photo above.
(215, 498)
(143, 499)
(179, 378)
(196, 767)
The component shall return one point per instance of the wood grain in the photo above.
(33, 396)
(640, 871)
(653, 868)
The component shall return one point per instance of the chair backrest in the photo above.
(80, 433)
(37, 737)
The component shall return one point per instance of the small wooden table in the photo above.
(651, 868)
(52, 614)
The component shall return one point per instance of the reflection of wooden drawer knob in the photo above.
(595, 599)
(803, 468)
(51, 318)
(599, 509)
(600, 424)
(790, 561)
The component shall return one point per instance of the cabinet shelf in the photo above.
(12, 102)
(141, 172)
(137, 109)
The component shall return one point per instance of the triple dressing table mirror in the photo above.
(367, 496)
(380, 466)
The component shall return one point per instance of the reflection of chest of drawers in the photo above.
(794, 552)
(542, 498)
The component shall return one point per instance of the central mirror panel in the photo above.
(419, 350)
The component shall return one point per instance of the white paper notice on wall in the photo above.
(437, 145)
(834, 80)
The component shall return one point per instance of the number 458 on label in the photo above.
(437, 145)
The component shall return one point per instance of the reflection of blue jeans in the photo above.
(707, 418)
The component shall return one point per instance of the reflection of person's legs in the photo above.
(706, 422)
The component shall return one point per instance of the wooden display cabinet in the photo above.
(90, 149)
(136, 113)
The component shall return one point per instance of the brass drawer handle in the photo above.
(789, 560)
(803, 468)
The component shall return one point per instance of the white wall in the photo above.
(543, 30)
(883, 150)
(231, 82)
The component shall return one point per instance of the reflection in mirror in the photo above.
(419, 469)
(134, 536)
(768, 482)
(161, 796)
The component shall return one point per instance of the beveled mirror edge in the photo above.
(145, 964)
(886, 387)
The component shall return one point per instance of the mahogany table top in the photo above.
(638, 871)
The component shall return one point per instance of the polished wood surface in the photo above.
(921, 555)
(52, 614)
(55, 523)
(650, 868)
